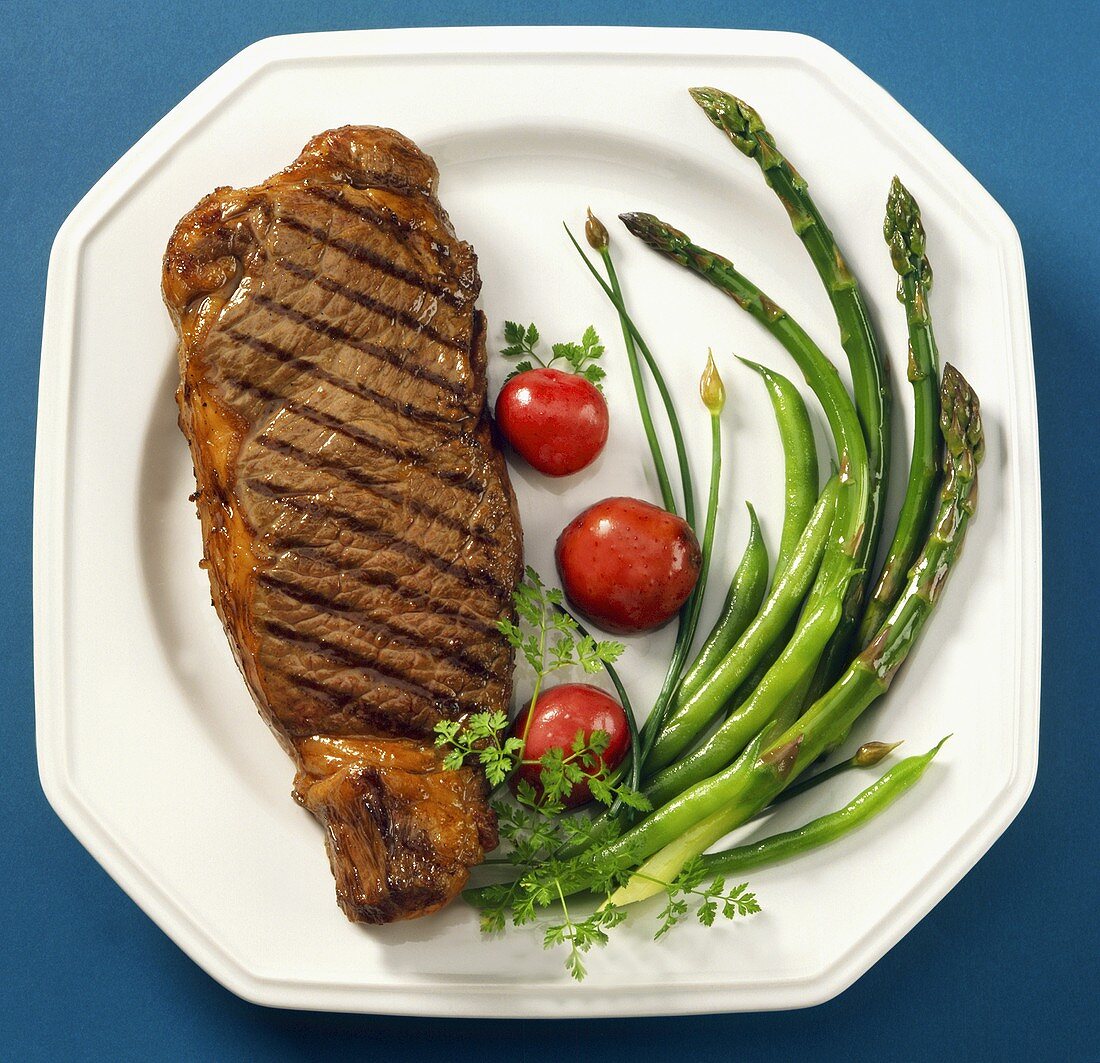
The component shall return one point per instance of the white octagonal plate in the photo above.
(149, 747)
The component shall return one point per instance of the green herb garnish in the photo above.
(580, 357)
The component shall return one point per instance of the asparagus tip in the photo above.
(961, 423)
(903, 231)
(732, 116)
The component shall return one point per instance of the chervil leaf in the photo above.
(691, 874)
(598, 741)
(454, 760)
(594, 374)
(633, 799)
(520, 367)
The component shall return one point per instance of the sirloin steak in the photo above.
(359, 529)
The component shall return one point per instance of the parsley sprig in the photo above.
(555, 854)
(482, 738)
(549, 639)
(710, 898)
(554, 641)
(551, 881)
(522, 341)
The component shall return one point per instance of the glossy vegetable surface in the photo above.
(870, 381)
(556, 421)
(904, 234)
(560, 715)
(693, 715)
(627, 565)
(841, 568)
(743, 599)
(825, 829)
(799, 459)
(701, 816)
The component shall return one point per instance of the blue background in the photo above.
(1006, 967)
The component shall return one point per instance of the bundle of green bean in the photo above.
(687, 825)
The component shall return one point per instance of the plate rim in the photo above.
(49, 532)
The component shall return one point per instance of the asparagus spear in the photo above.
(867, 678)
(746, 131)
(840, 569)
(905, 236)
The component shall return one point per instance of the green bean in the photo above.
(801, 486)
(743, 600)
(778, 610)
(865, 680)
(867, 756)
(799, 459)
(777, 697)
(825, 829)
(842, 562)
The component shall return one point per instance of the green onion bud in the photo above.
(870, 753)
(596, 232)
(711, 388)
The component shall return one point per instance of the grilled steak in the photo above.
(359, 529)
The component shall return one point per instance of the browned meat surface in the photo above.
(359, 529)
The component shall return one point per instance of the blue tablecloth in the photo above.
(1006, 967)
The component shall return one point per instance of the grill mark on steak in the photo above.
(374, 529)
(352, 387)
(315, 554)
(436, 694)
(362, 253)
(340, 700)
(375, 486)
(375, 306)
(465, 662)
(464, 481)
(385, 354)
(359, 530)
(382, 217)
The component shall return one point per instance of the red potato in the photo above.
(560, 713)
(627, 565)
(556, 421)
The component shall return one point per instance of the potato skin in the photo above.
(627, 565)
